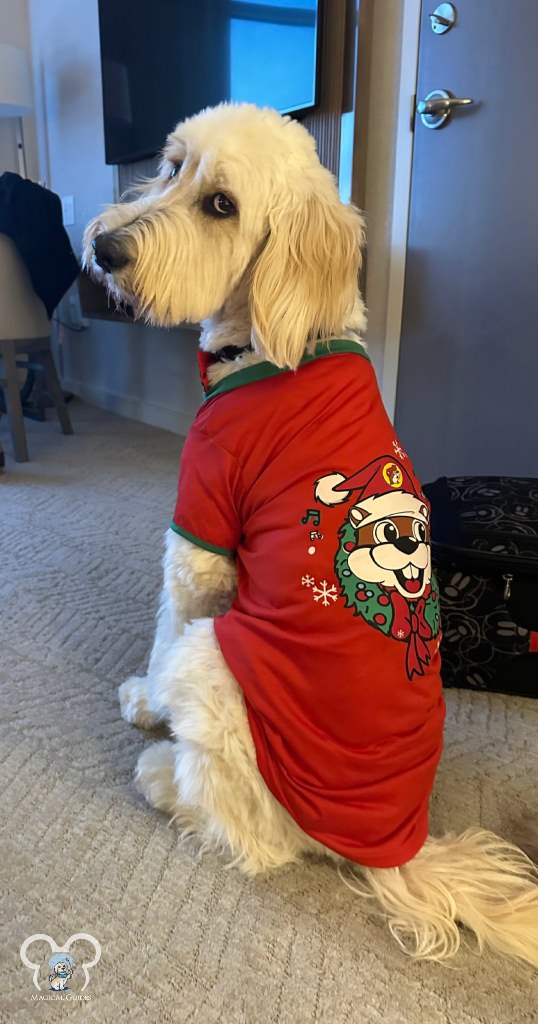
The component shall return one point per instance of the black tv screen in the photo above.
(163, 60)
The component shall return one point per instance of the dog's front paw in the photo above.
(134, 704)
(155, 776)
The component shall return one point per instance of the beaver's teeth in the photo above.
(408, 572)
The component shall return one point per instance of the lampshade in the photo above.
(15, 82)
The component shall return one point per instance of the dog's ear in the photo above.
(305, 281)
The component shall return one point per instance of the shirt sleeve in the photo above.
(206, 511)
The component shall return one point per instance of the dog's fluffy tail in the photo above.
(475, 879)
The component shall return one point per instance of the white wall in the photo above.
(141, 372)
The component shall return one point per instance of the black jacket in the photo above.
(32, 217)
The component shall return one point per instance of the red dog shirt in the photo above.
(334, 633)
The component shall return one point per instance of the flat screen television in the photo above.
(163, 60)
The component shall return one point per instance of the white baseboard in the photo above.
(174, 420)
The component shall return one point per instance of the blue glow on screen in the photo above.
(286, 73)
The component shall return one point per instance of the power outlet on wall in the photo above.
(68, 210)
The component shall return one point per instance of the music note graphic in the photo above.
(313, 514)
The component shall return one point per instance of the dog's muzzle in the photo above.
(109, 252)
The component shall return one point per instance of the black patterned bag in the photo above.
(485, 556)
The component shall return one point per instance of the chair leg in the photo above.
(54, 389)
(13, 403)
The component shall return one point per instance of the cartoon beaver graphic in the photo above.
(383, 562)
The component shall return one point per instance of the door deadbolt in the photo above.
(443, 19)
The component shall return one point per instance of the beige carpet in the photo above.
(183, 939)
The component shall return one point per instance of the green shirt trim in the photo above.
(201, 543)
(261, 371)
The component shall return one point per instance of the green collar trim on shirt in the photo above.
(201, 543)
(259, 371)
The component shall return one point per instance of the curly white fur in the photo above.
(278, 274)
(196, 583)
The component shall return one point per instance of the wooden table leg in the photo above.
(13, 402)
(54, 389)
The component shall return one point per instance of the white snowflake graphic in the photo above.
(325, 593)
(400, 634)
(398, 450)
(308, 581)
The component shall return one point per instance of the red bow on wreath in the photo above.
(409, 623)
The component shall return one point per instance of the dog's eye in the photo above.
(385, 532)
(219, 205)
(419, 531)
(175, 169)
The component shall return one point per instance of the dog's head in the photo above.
(63, 966)
(241, 205)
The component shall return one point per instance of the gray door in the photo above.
(467, 395)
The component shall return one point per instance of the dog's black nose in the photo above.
(109, 252)
(406, 544)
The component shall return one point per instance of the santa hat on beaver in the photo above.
(383, 478)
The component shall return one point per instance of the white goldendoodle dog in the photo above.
(296, 657)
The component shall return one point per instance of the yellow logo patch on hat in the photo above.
(392, 474)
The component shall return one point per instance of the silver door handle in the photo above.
(437, 107)
(440, 105)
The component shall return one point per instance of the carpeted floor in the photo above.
(183, 939)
